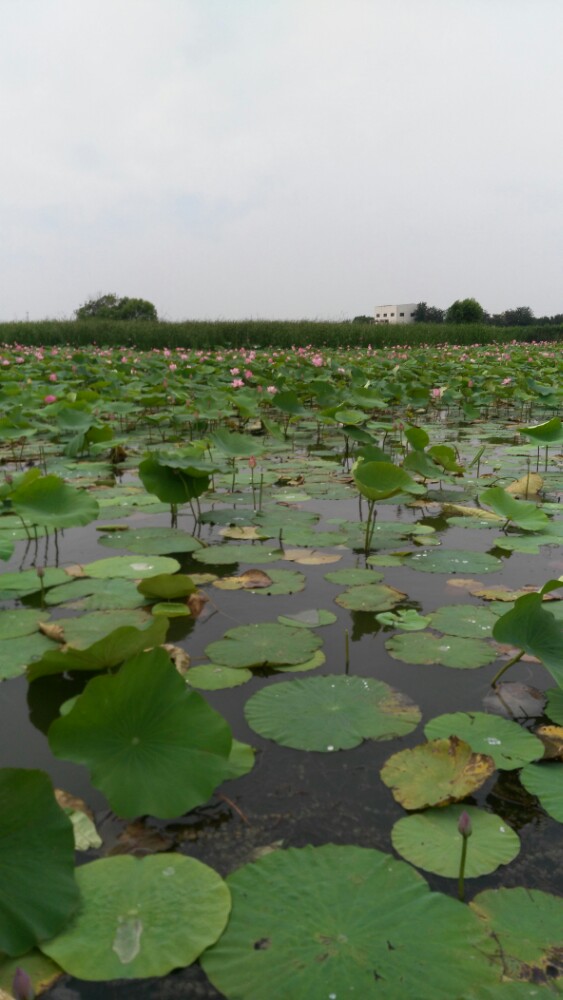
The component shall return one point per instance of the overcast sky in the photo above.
(280, 158)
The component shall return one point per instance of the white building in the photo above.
(403, 313)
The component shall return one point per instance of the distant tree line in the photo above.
(112, 307)
(470, 311)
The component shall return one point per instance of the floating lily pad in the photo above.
(284, 581)
(152, 745)
(526, 923)
(224, 555)
(152, 541)
(171, 609)
(38, 892)
(354, 577)
(141, 917)
(263, 645)
(370, 597)
(453, 561)
(330, 713)
(408, 620)
(240, 760)
(506, 742)
(465, 620)
(317, 660)
(28, 582)
(449, 650)
(168, 586)
(83, 630)
(355, 921)
(131, 567)
(16, 654)
(96, 595)
(15, 623)
(313, 618)
(431, 840)
(310, 557)
(436, 773)
(214, 677)
(546, 781)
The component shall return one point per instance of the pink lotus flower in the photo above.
(317, 361)
(272, 390)
(49, 399)
(237, 383)
(53, 377)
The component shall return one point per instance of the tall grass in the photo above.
(204, 334)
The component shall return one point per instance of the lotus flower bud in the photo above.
(40, 570)
(22, 987)
(464, 825)
(252, 462)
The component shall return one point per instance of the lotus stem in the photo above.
(464, 828)
(346, 651)
(503, 670)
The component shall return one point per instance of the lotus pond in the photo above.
(282, 644)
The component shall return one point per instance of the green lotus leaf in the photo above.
(240, 760)
(236, 445)
(110, 651)
(16, 654)
(355, 921)
(330, 713)
(152, 745)
(450, 651)
(506, 742)
(531, 627)
(524, 515)
(284, 581)
(83, 630)
(453, 561)
(264, 645)
(379, 480)
(38, 892)
(313, 618)
(554, 707)
(168, 586)
(431, 840)
(28, 582)
(170, 484)
(370, 597)
(469, 621)
(130, 567)
(214, 677)
(550, 432)
(152, 541)
(317, 660)
(407, 620)
(354, 577)
(526, 923)
(546, 782)
(96, 595)
(17, 622)
(141, 917)
(49, 501)
(224, 555)
(435, 773)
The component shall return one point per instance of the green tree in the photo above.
(112, 307)
(465, 311)
(428, 314)
(521, 316)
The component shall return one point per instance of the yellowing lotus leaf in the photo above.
(436, 773)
